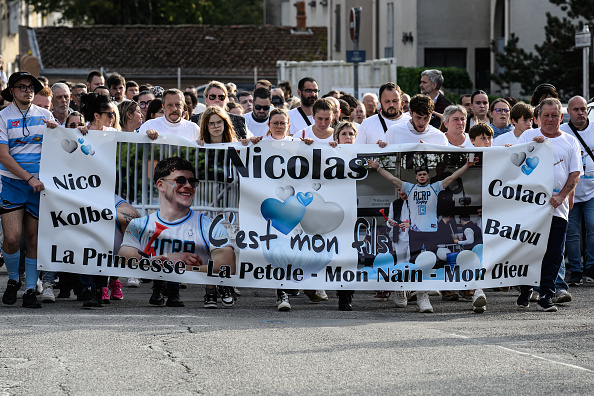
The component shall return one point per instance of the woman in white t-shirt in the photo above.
(454, 120)
(278, 125)
(320, 131)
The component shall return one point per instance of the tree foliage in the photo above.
(555, 61)
(153, 12)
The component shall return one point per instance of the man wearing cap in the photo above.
(22, 125)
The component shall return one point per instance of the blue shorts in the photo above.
(17, 194)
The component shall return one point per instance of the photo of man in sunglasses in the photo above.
(177, 233)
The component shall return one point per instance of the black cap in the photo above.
(14, 78)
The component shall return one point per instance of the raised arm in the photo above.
(450, 179)
(387, 175)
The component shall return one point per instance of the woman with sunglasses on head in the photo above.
(100, 112)
(278, 125)
(75, 120)
(500, 120)
(131, 116)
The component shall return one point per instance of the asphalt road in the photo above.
(132, 348)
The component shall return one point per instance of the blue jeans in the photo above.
(572, 241)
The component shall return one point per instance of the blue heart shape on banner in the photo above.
(305, 199)
(532, 162)
(81, 140)
(86, 149)
(283, 216)
(526, 170)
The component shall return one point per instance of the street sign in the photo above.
(355, 56)
(583, 40)
(355, 22)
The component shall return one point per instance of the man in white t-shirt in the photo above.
(257, 120)
(302, 116)
(172, 122)
(583, 206)
(417, 130)
(521, 116)
(373, 129)
(567, 167)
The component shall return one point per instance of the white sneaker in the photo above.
(322, 295)
(400, 300)
(47, 295)
(133, 282)
(562, 296)
(423, 302)
(479, 301)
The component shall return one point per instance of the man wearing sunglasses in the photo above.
(22, 125)
(257, 120)
(176, 233)
(215, 94)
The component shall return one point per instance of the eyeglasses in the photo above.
(144, 105)
(215, 123)
(213, 97)
(310, 91)
(74, 124)
(182, 180)
(279, 124)
(265, 108)
(499, 111)
(111, 114)
(25, 88)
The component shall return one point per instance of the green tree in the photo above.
(555, 61)
(153, 12)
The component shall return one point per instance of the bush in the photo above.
(456, 80)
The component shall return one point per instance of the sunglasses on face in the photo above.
(499, 111)
(110, 113)
(182, 180)
(265, 108)
(74, 124)
(213, 97)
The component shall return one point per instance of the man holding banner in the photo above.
(176, 235)
(22, 125)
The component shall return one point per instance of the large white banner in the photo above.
(314, 217)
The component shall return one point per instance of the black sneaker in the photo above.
(64, 293)
(173, 300)
(89, 299)
(523, 300)
(10, 294)
(157, 297)
(30, 300)
(210, 299)
(345, 300)
(282, 301)
(227, 298)
(545, 304)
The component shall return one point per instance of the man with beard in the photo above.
(418, 129)
(302, 116)
(405, 103)
(61, 102)
(373, 129)
(172, 122)
(257, 120)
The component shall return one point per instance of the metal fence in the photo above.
(217, 191)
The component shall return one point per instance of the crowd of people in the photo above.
(31, 106)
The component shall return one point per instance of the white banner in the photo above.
(314, 217)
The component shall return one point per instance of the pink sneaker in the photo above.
(116, 289)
